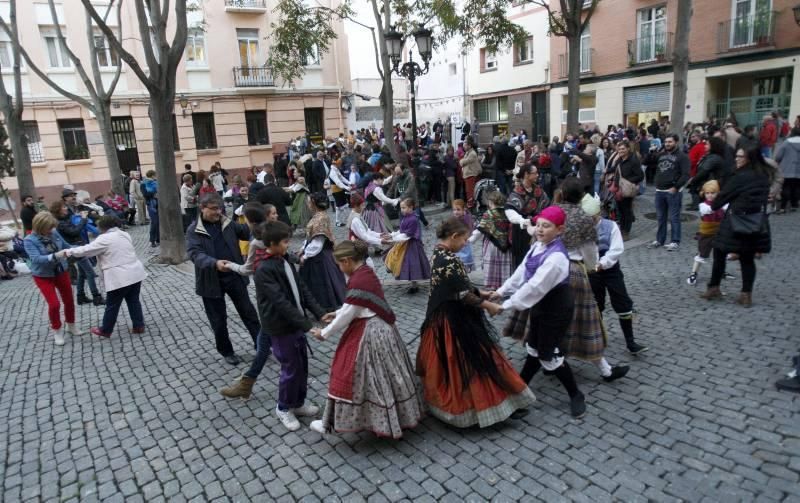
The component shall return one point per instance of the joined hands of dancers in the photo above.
(316, 332)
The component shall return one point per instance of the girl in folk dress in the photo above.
(359, 231)
(372, 384)
(318, 269)
(300, 213)
(540, 289)
(465, 254)
(466, 378)
(525, 202)
(374, 215)
(496, 250)
(407, 259)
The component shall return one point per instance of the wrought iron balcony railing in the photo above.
(252, 76)
(747, 32)
(246, 5)
(650, 50)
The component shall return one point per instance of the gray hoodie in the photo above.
(788, 157)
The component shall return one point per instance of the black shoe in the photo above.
(412, 290)
(153, 245)
(789, 384)
(83, 299)
(98, 300)
(233, 359)
(616, 373)
(577, 406)
(519, 413)
(635, 349)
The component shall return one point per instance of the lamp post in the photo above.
(411, 69)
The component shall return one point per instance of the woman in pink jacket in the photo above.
(122, 273)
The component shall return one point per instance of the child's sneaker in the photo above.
(317, 426)
(288, 419)
(673, 246)
(307, 409)
(692, 279)
(653, 245)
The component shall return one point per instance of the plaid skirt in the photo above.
(586, 336)
(496, 265)
(517, 325)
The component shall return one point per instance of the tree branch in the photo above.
(17, 69)
(147, 39)
(179, 40)
(111, 88)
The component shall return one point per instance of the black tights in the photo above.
(563, 374)
(746, 260)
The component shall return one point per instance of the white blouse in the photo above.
(526, 294)
(344, 315)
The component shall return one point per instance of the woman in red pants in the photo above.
(50, 273)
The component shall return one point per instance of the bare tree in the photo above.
(162, 57)
(680, 63)
(569, 21)
(99, 102)
(12, 107)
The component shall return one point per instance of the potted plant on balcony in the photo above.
(762, 27)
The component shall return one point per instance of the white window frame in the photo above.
(315, 58)
(586, 48)
(106, 50)
(242, 36)
(194, 36)
(62, 57)
(642, 53)
(750, 18)
(584, 115)
(489, 60)
(527, 49)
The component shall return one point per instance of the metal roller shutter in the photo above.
(647, 99)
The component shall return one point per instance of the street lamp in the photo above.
(411, 70)
(184, 102)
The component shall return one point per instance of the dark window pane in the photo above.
(175, 137)
(205, 137)
(73, 137)
(256, 121)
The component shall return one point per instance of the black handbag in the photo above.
(749, 223)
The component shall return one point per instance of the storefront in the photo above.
(644, 103)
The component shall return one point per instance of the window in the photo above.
(751, 20)
(57, 56)
(256, 121)
(313, 58)
(35, 149)
(106, 55)
(523, 53)
(453, 69)
(73, 138)
(652, 34)
(6, 53)
(489, 60)
(196, 49)
(586, 50)
(248, 47)
(205, 137)
(175, 139)
(492, 110)
(586, 108)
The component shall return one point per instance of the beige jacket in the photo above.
(470, 164)
(116, 258)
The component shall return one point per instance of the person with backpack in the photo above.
(149, 187)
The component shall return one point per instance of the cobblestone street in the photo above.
(139, 417)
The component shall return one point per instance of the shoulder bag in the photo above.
(749, 224)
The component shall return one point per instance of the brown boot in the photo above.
(745, 299)
(713, 292)
(242, 388)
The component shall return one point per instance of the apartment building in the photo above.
(743, 58)
(228, 107)
(508, 90)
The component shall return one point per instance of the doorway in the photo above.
(125, 143)
(314, 124)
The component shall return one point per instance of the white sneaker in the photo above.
(72, 329)
(317, 426)
(653, 245)
(288, 419)
(673, 246)
(308, 409)
(58, 336)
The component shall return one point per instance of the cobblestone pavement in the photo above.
(139, 417)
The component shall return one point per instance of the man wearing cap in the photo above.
(72, 227)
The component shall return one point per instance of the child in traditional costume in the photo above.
(372, 384)
(318, 269)
(710, 221)
(359, 231)
(465, 254)
(407, 259)
(496, 247)
(282, 303)
(466, 378)
(339, 189)
(540, 288)
(608, 274)
(300, 213)
(374, 215)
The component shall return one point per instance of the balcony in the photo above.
(654, 50)
(246, 6)
(747, 33)
(586, 63)
(249, 76)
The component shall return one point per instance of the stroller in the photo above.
(482, 190)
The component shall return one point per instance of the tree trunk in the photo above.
(388, 111)
(173, 246)
(680, 62)
(19, 147)
(114, 172)
(574, 82)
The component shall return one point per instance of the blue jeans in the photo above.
(263, 350)
(86, 274)
(152, 211)
(114, 298)
(668, 205)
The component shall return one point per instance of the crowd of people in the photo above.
(551, 223)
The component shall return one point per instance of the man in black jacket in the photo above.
(506, 157)
(211, 242)
(319, 172)
(276, 196)
(27, 213)
(672, 173)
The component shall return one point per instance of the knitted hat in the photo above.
(552, 214)
(590, 205)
